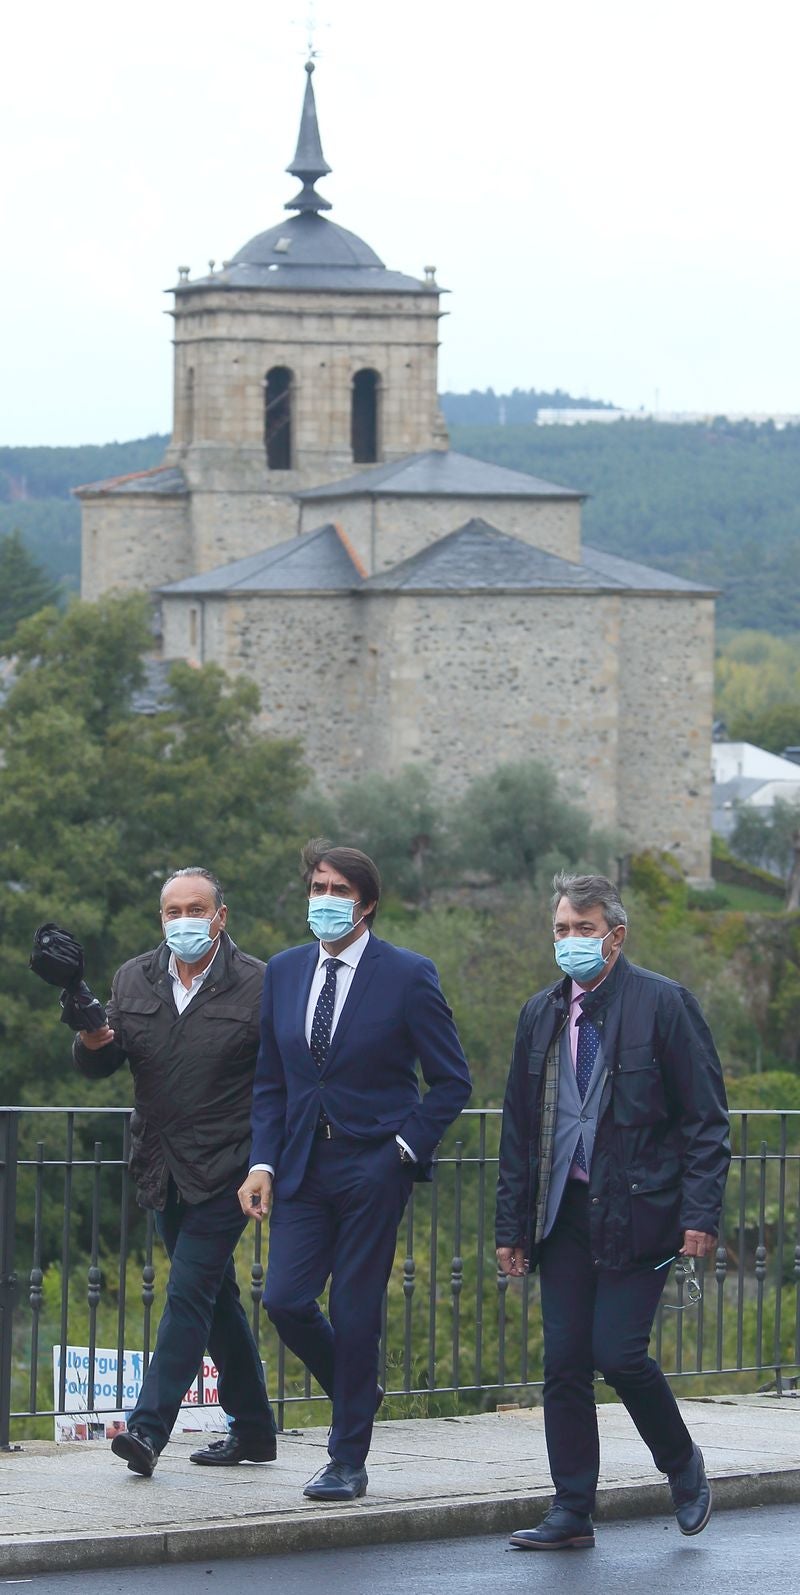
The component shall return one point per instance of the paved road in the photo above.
(737, 1553)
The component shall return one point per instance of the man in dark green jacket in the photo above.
(185, 1018)
(613, 1158)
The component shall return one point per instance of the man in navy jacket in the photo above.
(340, 1132)
(613, 1157)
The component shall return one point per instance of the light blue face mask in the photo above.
(331, 918)
(581, 956)
(189, 939)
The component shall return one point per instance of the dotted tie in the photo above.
(586, 1058)
(323, 1014)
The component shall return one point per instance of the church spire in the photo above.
(309, 162)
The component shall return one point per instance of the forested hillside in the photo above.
(520, 407)
(36, 495)
(717, 504)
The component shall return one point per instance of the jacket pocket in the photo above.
(135, 1021)
(655, 1203)
(638, 1088)
(535, 1066)
(228, 1032)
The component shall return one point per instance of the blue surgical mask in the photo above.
(581, 956)
(189, 939)
(331, 918)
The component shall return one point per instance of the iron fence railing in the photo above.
(78, 1266)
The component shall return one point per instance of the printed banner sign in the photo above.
(100, 1418)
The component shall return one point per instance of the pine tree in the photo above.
(25, 587)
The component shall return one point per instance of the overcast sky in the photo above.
(608, 190)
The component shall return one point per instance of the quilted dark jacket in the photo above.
(661, 1151)
(192, 1073)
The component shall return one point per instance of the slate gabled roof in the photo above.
(643, 578)
(168, 480)
(320, 561)
(479, 558)
(439, 472)
(475, 558)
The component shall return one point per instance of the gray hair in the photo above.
(205, 875)
(590, 891)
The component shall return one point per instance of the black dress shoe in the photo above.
(559, 1530)
(137, 1450)
(337, 1482)
(691, 1494)
(226, 1453)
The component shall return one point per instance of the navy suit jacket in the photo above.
(394, 1016)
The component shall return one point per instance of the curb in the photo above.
(357, 1525)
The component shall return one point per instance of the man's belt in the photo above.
(326, 1131)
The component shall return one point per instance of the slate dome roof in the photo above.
(307, 240)
(306, 251)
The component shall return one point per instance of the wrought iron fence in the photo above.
(78, 1265)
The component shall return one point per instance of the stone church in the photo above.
(395, 601)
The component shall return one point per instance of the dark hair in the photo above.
(590, 891)
(350, 862)
(205, 875)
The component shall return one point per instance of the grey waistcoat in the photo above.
(573, 1119)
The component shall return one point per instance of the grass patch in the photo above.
(738, 899)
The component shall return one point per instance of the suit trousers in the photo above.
(203, 1310)
(341, 1224)
(599, 1319)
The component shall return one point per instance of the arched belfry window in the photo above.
(364, 417)
(278, 390)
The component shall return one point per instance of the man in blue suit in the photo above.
(340, 1132)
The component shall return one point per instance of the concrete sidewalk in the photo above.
(76, 1506)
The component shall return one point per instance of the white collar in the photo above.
(351, 955)
(197, 980)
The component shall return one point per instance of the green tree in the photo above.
(763, 836)
(516, 825)
(24, 586)
(98, 804)
(758, 689)
(773, 728)
(398, 820)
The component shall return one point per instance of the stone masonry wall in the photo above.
(666, 695)
(385, 530)
(229, 526)
(613, 691)
(129, 543)
(464, 683)
(293, 647)
(229, 340)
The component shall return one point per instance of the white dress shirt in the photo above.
(184, 994)
(348, 960)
